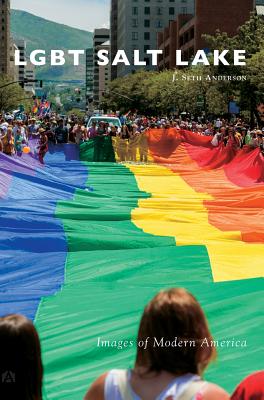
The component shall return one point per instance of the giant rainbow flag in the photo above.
(85, 245)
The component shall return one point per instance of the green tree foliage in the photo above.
(183, 90)
(11, 96)
(250, 37)
(165, 92)
(78, 113)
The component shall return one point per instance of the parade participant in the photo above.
(122, 144)
(124, 132)
(20, 358)
(19, 142)
(79, 132)
(99, 142)
(165, 372)
(43, 145)
(248, 138)
(92, 131)
(113, 130)
(61, 133)
(33, 128)
(254, 140)
(133, 144)
(143, 147)
(218, 137)
(71, 131)
(49, 132)
(8, 142)
(251, 388)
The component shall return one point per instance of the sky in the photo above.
(82, 14)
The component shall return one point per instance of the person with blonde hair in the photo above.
(171, 365)
(8, 142)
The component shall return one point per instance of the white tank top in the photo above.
(173, 390)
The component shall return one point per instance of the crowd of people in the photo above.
(159, 372)
(130, 142)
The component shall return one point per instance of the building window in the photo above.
(147, 10)
(147, 23)
(159, 24)
(134, 23)
(135, 11)
(171, 10)
(134, 35)
(183, 10)
(146, 36)
(159, 10)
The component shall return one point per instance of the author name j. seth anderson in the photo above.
(164, 343)
(209, 78)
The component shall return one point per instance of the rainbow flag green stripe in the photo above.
(113, 268)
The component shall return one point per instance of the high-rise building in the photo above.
(113, 36)
(186, 32)
(89, 77)
(30, 75)
(104, 73)
(5, 37)
(135, 24)
(21, 45)
(13, 67)
(100, 36)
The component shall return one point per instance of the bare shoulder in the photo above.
(214, 392)
(96, 390)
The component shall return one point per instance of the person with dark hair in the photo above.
(43, 145)
(99, 141)
(21, 369)
(61, 133)
(251, 388)
(166, 372)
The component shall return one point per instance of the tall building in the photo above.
(30, 75)
(89, 63)
(135, 23)
(186, 32)
(21, 45)
(104, 73)
(113, 35)
(13, 67)
(5, 37)
(100, 36)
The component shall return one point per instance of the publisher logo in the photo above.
(8, 377)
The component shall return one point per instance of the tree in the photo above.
(79, 113)
(250, 37)
(10, 96)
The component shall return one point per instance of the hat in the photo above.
(41, 130)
